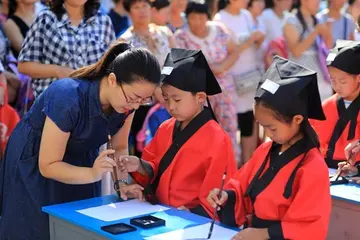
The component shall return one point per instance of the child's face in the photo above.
(279, 131)
(346, 85)
(180, 104)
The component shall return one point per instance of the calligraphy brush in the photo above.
(112, 156)
(219, 196)
(347, 162)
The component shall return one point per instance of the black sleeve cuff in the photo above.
(275, 232)
(227, 212)
(199, 210)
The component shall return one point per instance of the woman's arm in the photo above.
(13, 33)
(39, 70)
(52, 149)
(292, 37)
(121, 138)
(234, 50)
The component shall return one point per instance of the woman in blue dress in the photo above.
(52, 155)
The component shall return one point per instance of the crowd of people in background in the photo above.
(42, 41)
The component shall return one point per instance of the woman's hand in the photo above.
(347, 169)
(103, 164)
(131, 191)
(129, 164)
(213, 199)
(252, 234)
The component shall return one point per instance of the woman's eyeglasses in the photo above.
(138, 100)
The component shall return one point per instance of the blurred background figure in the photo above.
(119, 18)
(342, 23)
(246, 71)
(177, 15)
(273, 17)
(354, 11)
(21, 15)
(69, 35)
(256, 7)
(160, 12)
(306, 40)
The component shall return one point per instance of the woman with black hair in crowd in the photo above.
(69, 35)
(20, 16)
(160, 12)
(305, 37)
(52, 155)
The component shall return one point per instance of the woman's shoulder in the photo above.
(162, 30)
(268, 14)
(291, 18)
(46, 15)
(128, 34)
(102, 17)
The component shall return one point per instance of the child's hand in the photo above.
(103, 164)
(129, 163)
(131, 191)
(214, 200)
(183, 208)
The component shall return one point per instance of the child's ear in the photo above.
(358, 78)
(201, 96)
(297, 119)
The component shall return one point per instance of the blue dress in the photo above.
(74, 106)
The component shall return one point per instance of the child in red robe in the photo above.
(282, 192)
(190, 152)
(342, 125)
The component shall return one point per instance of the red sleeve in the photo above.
(309, 213)
(237, 206)
(150, 155)
(222, 158)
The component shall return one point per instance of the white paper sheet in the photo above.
(198, 232)
(121, 210)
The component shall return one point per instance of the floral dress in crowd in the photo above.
(157, 42)
(214, 48)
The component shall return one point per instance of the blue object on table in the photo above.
(175, 219)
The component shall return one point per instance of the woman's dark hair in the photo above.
(305, 126)
(159, 4)
(351, 2)
(222, 4)
(128, 3)
(127, 63)
(197, 7)
(91, 7)
(12, 7)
